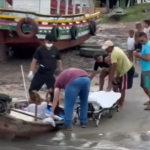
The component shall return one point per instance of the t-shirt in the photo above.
(101, 64)
(145, 65)
(40, 109)
(147, 31)
(47, 59)
(123, 63)
(130, 43)
(68, 76)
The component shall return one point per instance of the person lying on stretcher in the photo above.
(102, 61)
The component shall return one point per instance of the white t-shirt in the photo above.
(40, 109)
(147, 31)
(130, 43)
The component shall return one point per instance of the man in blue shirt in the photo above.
(144, 60)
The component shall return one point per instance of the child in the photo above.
(146, 25)
(130, 44)
(138, 27)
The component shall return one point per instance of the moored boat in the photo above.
(28, 29)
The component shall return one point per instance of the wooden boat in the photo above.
(54, 7)
(28, 29)
(20, 124)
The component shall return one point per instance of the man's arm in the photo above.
(55, 99)
(91, 76)
(59, 62)
(36, 57)
(112, 68)
(147, 56)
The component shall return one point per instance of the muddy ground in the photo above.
(10, 72)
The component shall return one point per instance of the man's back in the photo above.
(123, 63)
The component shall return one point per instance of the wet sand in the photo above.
(127, 130)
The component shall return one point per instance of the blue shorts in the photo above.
(145, 79)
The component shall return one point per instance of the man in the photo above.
(75, 82)
(48, 58)
(144, 57)
(102, 61)
(121, 70)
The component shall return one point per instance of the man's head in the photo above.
(142, 38)
(98, 57)
(138, 26)
(146, 23)
(108, 46)
(49, 40)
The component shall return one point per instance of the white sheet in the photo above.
(103, 98)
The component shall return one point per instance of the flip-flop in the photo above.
(147, 103)
(147, 108)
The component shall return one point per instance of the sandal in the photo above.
(147, 108)
(147, 103)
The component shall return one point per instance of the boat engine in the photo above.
(5, 101)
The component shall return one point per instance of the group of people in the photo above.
(76, 82)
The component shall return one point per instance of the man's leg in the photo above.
(36, 83)
(145, 84)
(103, 74)
(71, 94)
(126, 82)
(84, 93)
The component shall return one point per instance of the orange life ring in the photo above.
(28, 21)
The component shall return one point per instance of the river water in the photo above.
(71, 141)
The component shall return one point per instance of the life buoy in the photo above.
(56, 33)
(92, 27)
(74, 32)
(29, 21)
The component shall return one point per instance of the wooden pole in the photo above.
(58, 6)
(24, 83)
(66, 7)
(74, 6)
(80, 6)
(107, 6)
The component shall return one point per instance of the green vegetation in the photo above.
(135, 13)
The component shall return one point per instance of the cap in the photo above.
(49, 37)
(107, 44)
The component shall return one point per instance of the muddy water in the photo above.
(71, 141)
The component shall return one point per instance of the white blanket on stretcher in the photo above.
(103, 98)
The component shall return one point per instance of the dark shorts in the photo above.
(138, 47)
(145, 79)
(126, 81)
(40, 79)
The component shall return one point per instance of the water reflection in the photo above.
(71, 141)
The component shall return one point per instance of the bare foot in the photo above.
(147, 103)
(147, 108)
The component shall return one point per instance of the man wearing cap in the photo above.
(48, 58)
(121, 70)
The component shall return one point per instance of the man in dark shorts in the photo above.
(102, 61)
(48, 58)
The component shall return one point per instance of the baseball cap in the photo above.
(49, 37)
(107, 44)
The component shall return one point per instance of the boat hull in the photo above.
(35, 42)
(11, 127)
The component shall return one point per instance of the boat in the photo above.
(18, 123)
(54, 7)
(20, 28)
(12, 126)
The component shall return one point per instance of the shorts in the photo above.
(138, 47)
(126, 81)
(145, 79)
(40, 79)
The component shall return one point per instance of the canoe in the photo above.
(11, 126)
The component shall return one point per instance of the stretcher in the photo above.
(99, 104)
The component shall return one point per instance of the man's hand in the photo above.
(30, 75)
(136, 54)
(51, 115)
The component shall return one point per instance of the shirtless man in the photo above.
(102, 61)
